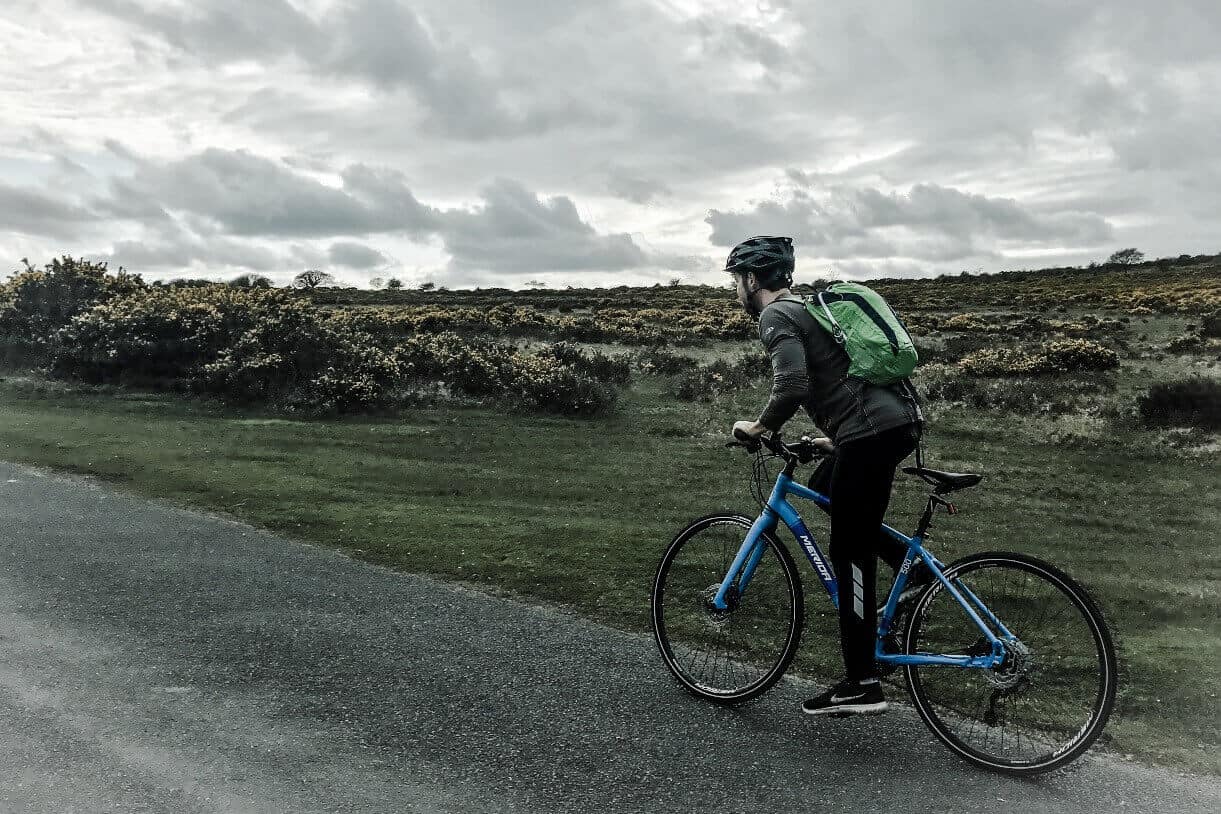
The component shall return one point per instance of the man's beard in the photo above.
(750, 308)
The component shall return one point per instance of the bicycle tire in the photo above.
(1102, 652)
(738, 524)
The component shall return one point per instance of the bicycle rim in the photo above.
(1050, 699)
(733, 656)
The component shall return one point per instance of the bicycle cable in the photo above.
(761, 475)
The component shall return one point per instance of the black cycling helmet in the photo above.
(770, 258)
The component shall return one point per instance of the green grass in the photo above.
(577, 512)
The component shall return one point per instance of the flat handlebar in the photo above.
(804, 451)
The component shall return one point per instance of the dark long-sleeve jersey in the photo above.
(810, 369)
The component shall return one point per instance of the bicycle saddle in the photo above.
(944, 481)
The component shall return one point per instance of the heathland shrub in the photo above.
(1211, 325)
(1184, 343)
(165, 333)
(320, 371)
(1193, 402)
(1056, 356)
(660, 361)
(252, 345)
(475, 367)
(542, 382)
(36, 303)
(1028, 395)
(1073, 355)
(594, 364)
(707, 381)
(697, 324)
(239, 344)
(548, 380)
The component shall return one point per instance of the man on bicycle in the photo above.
(870, 430)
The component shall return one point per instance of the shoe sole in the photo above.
(844, 710)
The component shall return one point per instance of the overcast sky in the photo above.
(597, 143)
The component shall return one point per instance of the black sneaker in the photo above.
(848, 697)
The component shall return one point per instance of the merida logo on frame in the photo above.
(815, 557)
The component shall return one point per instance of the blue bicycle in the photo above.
(1006, 658)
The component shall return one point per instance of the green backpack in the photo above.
(876, 340)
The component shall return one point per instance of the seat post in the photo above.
(926, 520)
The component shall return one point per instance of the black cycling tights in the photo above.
(858, 479)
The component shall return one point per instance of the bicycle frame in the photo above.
(779, 509)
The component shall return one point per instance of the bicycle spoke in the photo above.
(730, 652)
(1054, 688)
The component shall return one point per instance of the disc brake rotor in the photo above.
(1014, 671)
(713, 616)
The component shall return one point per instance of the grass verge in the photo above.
(577, 512)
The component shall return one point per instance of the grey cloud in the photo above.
(385, 192)
(795, 217)
(312, 162)
(33, 212)
(801, 178)
(752, 43)
(1053, 104)
(382, 42)
(172, 247)
(251, 195)
(355, 255)
(630, 186)
(929, 222)
(218, 194)
(222, 29)
(514, 230)
(964, 214)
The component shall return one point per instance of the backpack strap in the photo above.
(838, 332)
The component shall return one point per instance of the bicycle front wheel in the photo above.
(734, 655)
(1049, 699)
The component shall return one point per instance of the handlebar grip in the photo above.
(741, 439)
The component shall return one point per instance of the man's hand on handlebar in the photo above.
(752, 434)
(824, 444)
(748, 431)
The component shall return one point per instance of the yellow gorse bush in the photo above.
(258, 345)
(711, 321)
(1057, 356)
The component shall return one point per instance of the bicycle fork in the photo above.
(746, 560)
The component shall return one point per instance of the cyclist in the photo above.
(871, 430)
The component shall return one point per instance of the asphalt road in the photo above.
(155, 659)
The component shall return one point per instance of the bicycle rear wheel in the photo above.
(1049, 700)
(727, 656)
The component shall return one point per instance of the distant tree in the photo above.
(394, 284)
(250, 281)
(377, 282)
(312, 278)
(1126, 257)
(427, 285)
(676, 281)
